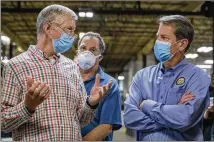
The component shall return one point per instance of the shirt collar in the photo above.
(100, 72)
(181, 63)
(39, 53)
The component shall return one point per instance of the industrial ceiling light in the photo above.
(208, 62)
(89, 14)
(208, 49)
(204, 49)
(121, 77)
(204, 66)
(81, 14)
(191, 56)
(81, 34)
(5, 40)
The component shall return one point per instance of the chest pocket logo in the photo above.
(180, 81)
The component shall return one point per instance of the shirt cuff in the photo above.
(92, 107)
(147, 107)
(87, 107)
(23, 112)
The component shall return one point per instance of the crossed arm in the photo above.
(156, 116)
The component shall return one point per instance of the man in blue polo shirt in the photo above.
(155, 107)
(108, 115)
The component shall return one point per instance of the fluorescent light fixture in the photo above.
(89, 14)
(204, 66)
(5, 40)
(204, 49)
(81, 34)
(201, 49)
(81, 14)
(208, 49)
(121, 77)
(208, 62)
(191, 56)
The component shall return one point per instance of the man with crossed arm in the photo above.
(153, 107)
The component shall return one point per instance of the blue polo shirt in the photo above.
(109, 109)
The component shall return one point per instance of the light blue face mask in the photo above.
(64, 43)
(162, 51)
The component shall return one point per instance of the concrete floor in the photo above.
(121, 135)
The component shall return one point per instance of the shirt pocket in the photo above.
(174, 95)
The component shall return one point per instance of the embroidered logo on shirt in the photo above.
(180, 81)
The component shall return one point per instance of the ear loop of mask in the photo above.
(179, 49)
(175, 52)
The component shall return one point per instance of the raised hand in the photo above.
(37, 92)
(209, 111)
(97, 92)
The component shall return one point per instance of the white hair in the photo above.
(50, 14)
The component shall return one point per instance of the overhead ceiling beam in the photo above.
(110, 11)
(148, 47)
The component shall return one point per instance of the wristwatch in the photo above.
(92, 107)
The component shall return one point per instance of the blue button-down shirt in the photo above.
(161, 117)
(109, 109)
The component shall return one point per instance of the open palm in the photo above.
(98, 92)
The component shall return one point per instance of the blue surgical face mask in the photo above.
(162, 51)
(64, 43)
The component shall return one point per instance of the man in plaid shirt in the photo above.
(43, 94)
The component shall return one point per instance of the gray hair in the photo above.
(96, 35)
(50, 14)
(183, 27)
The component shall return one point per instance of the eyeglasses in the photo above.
(67, 31)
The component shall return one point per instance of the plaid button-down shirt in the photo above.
(58, 118)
